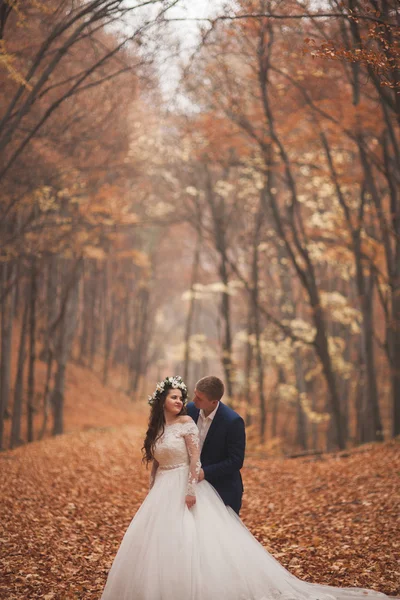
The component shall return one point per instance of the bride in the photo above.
(184, 543)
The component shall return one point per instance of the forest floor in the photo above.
(66, 502)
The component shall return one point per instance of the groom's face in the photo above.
(201, 400)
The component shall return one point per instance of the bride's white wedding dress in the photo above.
(206, 553)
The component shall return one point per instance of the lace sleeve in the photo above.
(191, 435)
(154, 468)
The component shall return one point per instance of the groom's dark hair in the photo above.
(211, 386)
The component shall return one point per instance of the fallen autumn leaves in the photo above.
(66, 503)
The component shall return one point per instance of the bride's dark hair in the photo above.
(157, 422)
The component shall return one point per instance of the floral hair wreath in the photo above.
(175, 382)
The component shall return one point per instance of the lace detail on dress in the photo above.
(191, 435)
(173, 467)
(179, 446)
(153, 472)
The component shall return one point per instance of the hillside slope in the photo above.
(87, 402)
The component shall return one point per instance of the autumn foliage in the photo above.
(254, 234)
(332, 520)
(248, 228)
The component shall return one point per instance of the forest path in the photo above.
(67, 501)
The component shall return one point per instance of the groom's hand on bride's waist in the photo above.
(201, 475)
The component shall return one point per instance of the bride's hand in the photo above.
(190, 501)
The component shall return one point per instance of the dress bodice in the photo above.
(178, 446)
(170, 450)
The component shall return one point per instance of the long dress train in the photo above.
(206, 553)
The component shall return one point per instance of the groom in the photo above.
(222, 440)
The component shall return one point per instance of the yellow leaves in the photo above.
(199, 349)
(340, 311)
(314, 372)
(192, 191)
(128, 219)
(19, 5)
(109, 207)
(7, 61)
(159, 209)
(223, 188)
(82, 237)
(317, 251)
(336, 347)
(277, 352)
(46, 199)
(190, 294)
(303, 330)
(201, 290)
(94, 252)
(140, 259)
(288, 393)
(323, 221)
(242, 336)
(312, 415)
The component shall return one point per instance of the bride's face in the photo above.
(173, 402)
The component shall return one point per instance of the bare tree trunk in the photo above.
(225, 311)
(275, 403)
(301, 434)
(248, 363)
(93, 331)
(218, 212)
(140, 342)
(290, 228)
(67, 332)
(15, 439)
(395, 348)
(86, 301)
(314, 428)
(286, 285)
(192, 300)
(5, 11)
(3, 297)
(57, 397)
(46, 395)
(345, 385)
(48, 350)
(108, 342)
(126, 334)
(256, 321)
(32, 349)
(51, 304)
(109, 322)
(365, 292)
(136, 308)
(8, 311)
(373, 425)
(360, 406)
(282, 203)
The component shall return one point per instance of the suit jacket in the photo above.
(222, 455)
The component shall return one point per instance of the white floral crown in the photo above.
(175, 382)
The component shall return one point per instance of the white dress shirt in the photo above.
(204, 424)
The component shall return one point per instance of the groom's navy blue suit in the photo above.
(223, 453)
